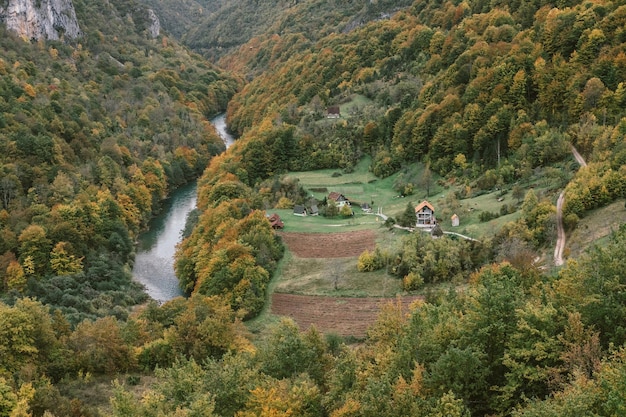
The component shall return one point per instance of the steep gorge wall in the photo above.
(40, 19)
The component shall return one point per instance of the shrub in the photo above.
(284, 203)
(485, 216)
(366, 262)
(412, 281)
(570, 221)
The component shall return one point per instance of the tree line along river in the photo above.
(154, 260)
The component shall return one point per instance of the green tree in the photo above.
(407, 217)
(35, 247)
(534, 354)
(8, 398)
(63, 262)
(206, 328)
(98, 347)
(27, 336)
(287, 352)
(492, 318)
(331, 209)
(594, 286)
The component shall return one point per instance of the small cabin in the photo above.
(366, 208)
(314, 210)
(299, 210)
(425, 214)
(275, 221)
(333, 112)
(455, 220)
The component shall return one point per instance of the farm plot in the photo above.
(330, 245)
(343, 316)
(318, 259)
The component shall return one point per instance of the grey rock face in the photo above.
(155, 25)
(40, 19)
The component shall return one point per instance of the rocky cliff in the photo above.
(40, 19)
(154, 27)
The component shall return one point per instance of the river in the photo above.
(154, 261)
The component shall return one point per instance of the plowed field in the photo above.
(345, 316)
(339, 315)
(329, 245)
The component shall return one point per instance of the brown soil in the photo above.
(345, 316)
(329, 245)
(340, 315)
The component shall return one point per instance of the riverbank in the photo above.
(156, 247)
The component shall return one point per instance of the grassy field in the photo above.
(339, 276)
(595, 227)
(361, 186)
(318, 276)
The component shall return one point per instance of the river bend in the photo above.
(154, 261)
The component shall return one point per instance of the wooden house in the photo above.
(314, 210)
(333, 112)
(339, 199)
(276, 222)
(366, 208)
(425, 214)
(299, 210)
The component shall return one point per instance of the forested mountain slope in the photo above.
(482, 95)
(94, 133)
(180, 17)
(486, 96)
(216, 28)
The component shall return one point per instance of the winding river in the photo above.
(154, 261)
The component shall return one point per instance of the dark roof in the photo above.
(299, 209)
(314, 209)
(436, 231)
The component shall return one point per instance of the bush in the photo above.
(284, 203)
(390, 222)
(485, 216)
(366, 262)
(570, 221)
(412, 281)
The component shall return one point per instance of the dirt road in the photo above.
(561, 238)
(560, 230)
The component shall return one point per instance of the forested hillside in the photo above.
(95, 132)
(487, 98)
(178, 18)
(484, 96)
(93, 136)
(216, 28)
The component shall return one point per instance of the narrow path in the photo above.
(560, 230)
(461, 236)
(578, 157)
(561, 238)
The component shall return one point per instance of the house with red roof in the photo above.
(425, 215)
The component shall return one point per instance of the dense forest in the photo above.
(95, 132)
(94, 135)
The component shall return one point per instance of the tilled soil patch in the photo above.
(329, 245)
(340, 315)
